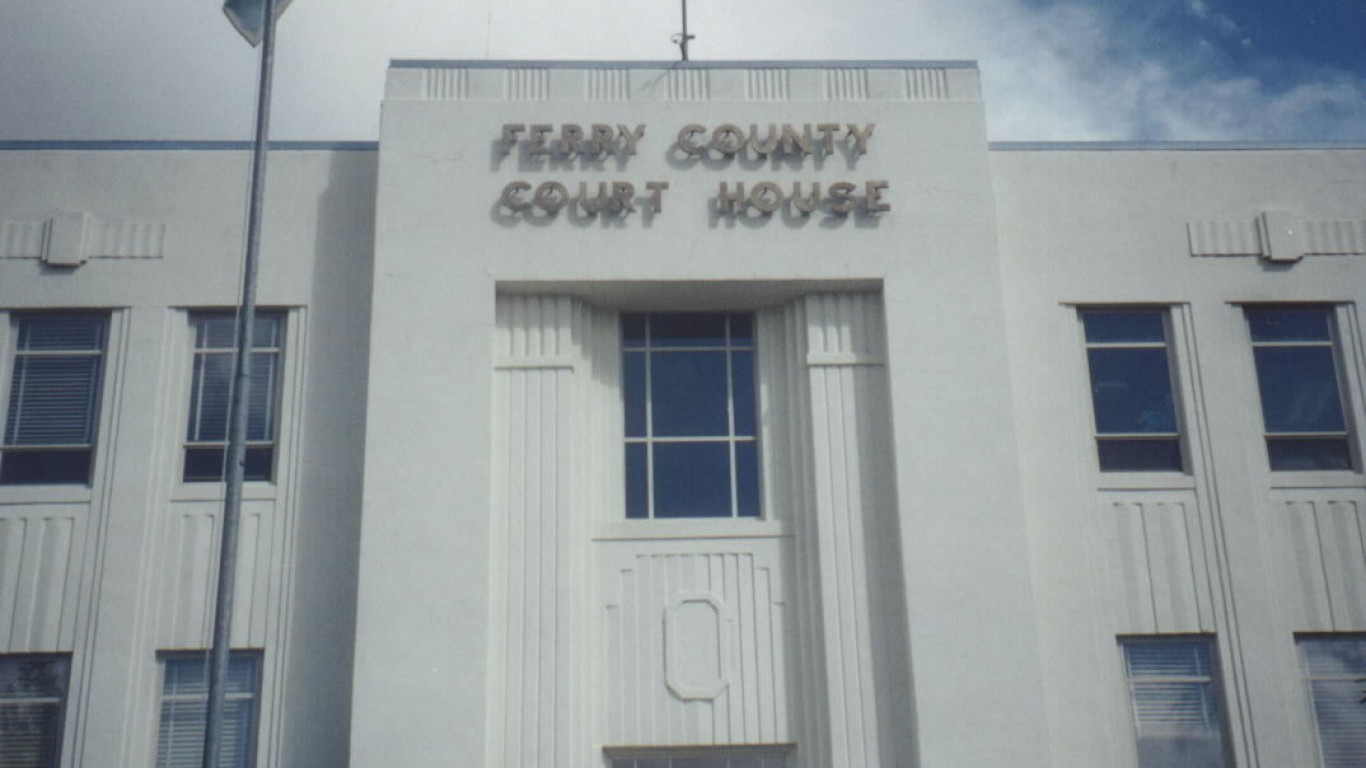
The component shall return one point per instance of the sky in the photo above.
(1052, 70)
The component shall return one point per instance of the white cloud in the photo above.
(1065, 70)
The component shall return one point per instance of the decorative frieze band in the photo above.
(71, 239)
(1277, 236)
(765, 84)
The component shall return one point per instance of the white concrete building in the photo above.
(707, 414)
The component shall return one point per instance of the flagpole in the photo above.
(237, 428)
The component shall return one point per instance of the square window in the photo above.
(52, 413)
(1137, 427)
(1295, 353)
(688, 394)
(1175, 700)
(32, 705)
(1335, 671)
(211, 382)
(184, 709)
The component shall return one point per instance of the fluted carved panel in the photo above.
(607, 85)
(1333, 238)
(1327, 540)
(689, 85)
(453, 83)
(927, 84)
(127, 240)
(696, 636)
(846, 84)
(767, 85)
(1158, 565)
(540, 646)
(528, 84)
(22, 239)
(189, 571)
(1224, 238)
(39, 576)
(853, 524)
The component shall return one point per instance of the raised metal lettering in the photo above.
(551, 196)
(841, 196)
(861, 137)
(873, 191)
(766, 196)
(511, 197)
(510, 131)
(685, 143)
(631, 137)
(809, 203)
(656, 195)
(727, 139)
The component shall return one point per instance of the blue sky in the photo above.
(1053, 70)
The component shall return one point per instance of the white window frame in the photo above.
(278, 396)
(9, 341)
(10, 699)
(732, 439)
(1339, 341)
(1356, 679)
(256, 657)
(1180, 436)
(1211, 681)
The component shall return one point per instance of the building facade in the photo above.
(702, 414)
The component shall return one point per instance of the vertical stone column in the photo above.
(847, 533)
(539, 709)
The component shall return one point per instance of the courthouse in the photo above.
(690, 415)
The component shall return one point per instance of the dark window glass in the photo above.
(211, 383)
(688, 395)
(1302, 410)
(1131, 391)
(692, 479)
(54, 393)
(1109, 326)
(688, 392)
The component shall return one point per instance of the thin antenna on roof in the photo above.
(681, 40)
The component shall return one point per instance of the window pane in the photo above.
(210, 397)
(45, 466)
(1296, 454)
(1175, 704)
(637, 482)
(208, 464)
(211, 385)
(1139, 455)
(687, 329)
(180, 738)
(1336, 672)
(633, 392)
(1289, 324)
(747, 479)
(61, 332)
(1299, 387)
(688, 394)
(742, 372)
(53, 400)
(633, 330)
(1132, 391)
(1120, 326)
(32, 694)
(742, 330)
(692, 480)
